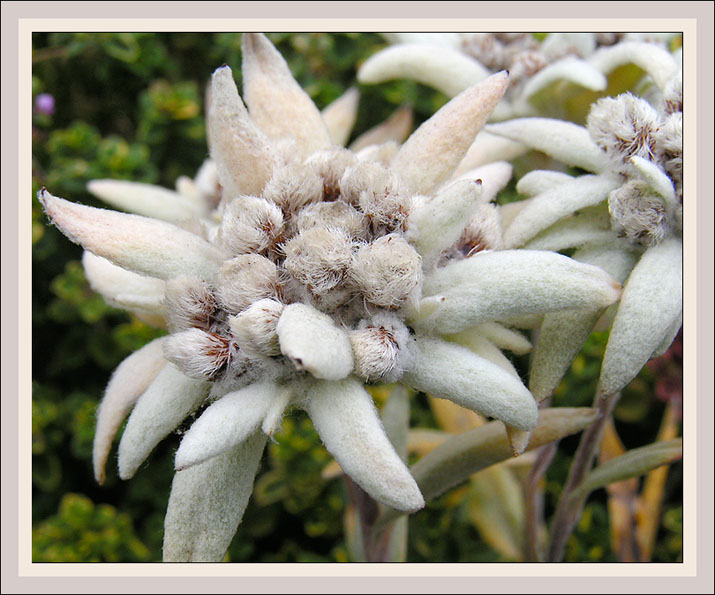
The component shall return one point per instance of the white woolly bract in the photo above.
(541, 180)
(380, 348)
(441, 67)
(638, 213)
(592, 226)
(563, 334)
(147, 199)
(336, 215)
(250, 225)
(207, 503)
(652, 58)
(435, 149)
(292, 187)
(652, 302)
(395, 129)
(488, 148)
(277, 103)
(438, 223)
(139, 244)
(242, 152)
(277, 407)
(569, 69)
(565, 141)
(494, 176)
(255, 328)
(656, 178)
(340, 115)
(495, 285)
(170, 398)
(124, 289)
(346, 420)
(226, 423)
(189, 303)
(387, 271)
(198, 354)
(484, 231)
(129, 380)
(314, 343)
(453, 372)
(550, 206)
(484, 348)
(502, 337)
(244, 280)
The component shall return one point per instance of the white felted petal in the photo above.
(488, 148)
(565, 141)
(438, 223)
(503, 337)
(550, 206)
(541, 180)
(340, 116)
(651, 304)
(453, 372)
(242, 152)
(396, 128)
(346, 419)
(496, 285)
(226, 423)
(570, 69)
(563, 334)
(483, 347)
(131, 378)
(443, 68)
(207, 503)
(276, 408)
(669, 337)
(142, 245)
(652, 58)
(436, 148)
(573, 232)
(314, 343)
(158, 412)
(494, 176)
(147, 200)
(122, 288)
(276, 102)
(656, 178)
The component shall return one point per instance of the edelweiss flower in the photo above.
(316, 271)
(634, 149)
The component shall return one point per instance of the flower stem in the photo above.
(534, 503)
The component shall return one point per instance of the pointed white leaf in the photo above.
(587, 228)
(443, 68)
(651, 304)
(449, 371)
(396, 128)
(436, 148)
(652, 58)
(314, 343)
(656, 178)
(494, 176)
(207, 503)
(276, 409)
(395, 416)
(438, 223)
(496, 285)
(142, 245)
(488, 148)
(130, 379)
(570, 69)
(276, 102)
(669, 337)
(541, 180)
(340, 116)
(147, 199)
(518, 439)
(550, 206)
(158, 412)
(484, 348)
(502, 337)
(346, 419)
(242, 152)
(565, 141)
(226, 423)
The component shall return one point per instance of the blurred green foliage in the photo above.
(130, 106)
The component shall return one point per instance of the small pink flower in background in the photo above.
(45, 104)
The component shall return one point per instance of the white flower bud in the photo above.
(199, 354)
(624, 126)
(387, 271)
(670, 146)
(250, 224)
(293, 186)
(189, 303)
(319, 258)
(638, 214)
(673, 95)
(331, 166)
(484, 232)
(336, 215)
(246, 279)
(380, 348)
(255, 328)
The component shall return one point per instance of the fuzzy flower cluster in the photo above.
(291, 272)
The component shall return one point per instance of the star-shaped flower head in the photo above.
(626, 217)
(318, 270)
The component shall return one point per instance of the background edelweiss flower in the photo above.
(276, 297)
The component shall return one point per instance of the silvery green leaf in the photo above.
(651, 305)
(655, 60)
(570, 69)
(502, 337)
(483, 347)
(590, 227)
(488, 148)
(168, 400)
(346, 420)
(207, 503)
(541, 180)
(130, 379)
(449, 371)
(340, 115)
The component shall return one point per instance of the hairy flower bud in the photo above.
(255, 328)
(199, 354)
(670, 146)
(336, 215)
(380, 348)
(331, 166)
(189, 303)
(638, 214)
(246, 279)
(292, 187)
(251, 224)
